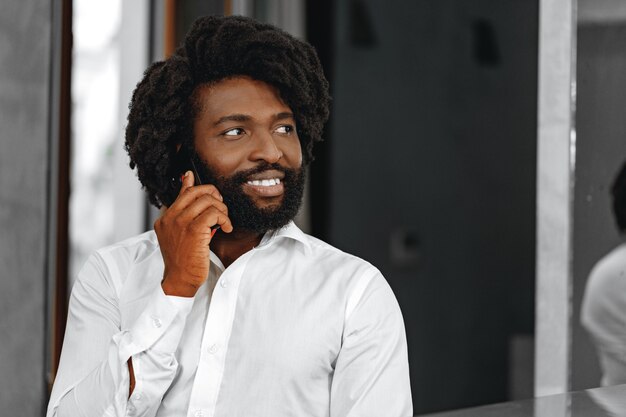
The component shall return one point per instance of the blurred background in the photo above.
(468, 156)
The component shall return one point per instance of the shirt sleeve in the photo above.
(93, 377)
(372, 373)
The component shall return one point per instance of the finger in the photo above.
(199, 205)
(188, 181)
(208, 189)
(189, 194)
(209, 218)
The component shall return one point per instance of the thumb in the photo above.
(188, 181)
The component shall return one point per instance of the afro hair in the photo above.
(162, 108)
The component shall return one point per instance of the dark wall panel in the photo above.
(433, 147)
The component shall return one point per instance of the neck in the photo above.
(230, 246)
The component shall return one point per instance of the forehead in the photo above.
(238, 95)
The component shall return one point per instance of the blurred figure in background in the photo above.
(603, 311)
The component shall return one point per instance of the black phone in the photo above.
(182, 163)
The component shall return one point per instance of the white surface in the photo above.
(556, 150)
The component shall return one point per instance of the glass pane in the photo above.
(95, 98)
(601, 151)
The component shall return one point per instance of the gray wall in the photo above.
(25, 51)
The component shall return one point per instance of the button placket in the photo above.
(215, 340)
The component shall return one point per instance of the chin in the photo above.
(270, 207)
(269, 203)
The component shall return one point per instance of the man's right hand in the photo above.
(184, 233)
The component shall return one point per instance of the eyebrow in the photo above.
(283, 116)
(246, 118)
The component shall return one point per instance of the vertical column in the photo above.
(555, 175)
(241, 7)
(25, 115)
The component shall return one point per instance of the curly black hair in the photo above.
(162, 109)
(618, 193)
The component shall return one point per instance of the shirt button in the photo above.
(137, 396)
(214, 348)
(224, 283)
(156, 322)
(198, 413)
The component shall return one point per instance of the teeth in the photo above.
(265, 183)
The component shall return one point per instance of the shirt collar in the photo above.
(290, 231)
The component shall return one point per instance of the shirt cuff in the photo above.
(183, 304)
(161, 324)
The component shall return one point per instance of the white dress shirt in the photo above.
(603, 314)
(293, 327)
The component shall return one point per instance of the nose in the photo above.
(266, 148)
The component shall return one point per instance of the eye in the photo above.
(237, 131)
(284, 129)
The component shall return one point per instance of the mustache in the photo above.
(242, 176)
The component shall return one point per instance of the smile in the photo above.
(264, 183)
(265, 188)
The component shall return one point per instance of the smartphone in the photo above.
(181, 164)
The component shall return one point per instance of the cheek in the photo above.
(223, 164)
(299, 155)
(294, 152)
(222, 160)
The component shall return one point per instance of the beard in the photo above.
(243, 212)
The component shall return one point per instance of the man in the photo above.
(603, 311)
(227, 308)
